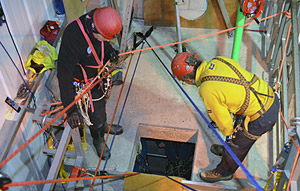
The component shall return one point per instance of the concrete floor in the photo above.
(155, 99)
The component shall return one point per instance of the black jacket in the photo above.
(75, 49)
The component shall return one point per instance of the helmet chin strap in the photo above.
(189, 78)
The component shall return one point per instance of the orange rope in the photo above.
(288, 15)
(283, 57)
(200, 37)
(287, 128)
(95, 81)
(53, 111)
(112, 119)
(35, 182)
(56, 103)
(293, 169)
(90, 86)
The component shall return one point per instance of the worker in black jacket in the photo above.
(84, 49)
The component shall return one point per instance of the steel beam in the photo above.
(225, 16)
(178, 27)
(295, 52)
(126, 25)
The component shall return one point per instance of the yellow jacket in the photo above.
(224, 98)
(42, 59)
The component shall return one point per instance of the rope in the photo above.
(200, 37)
(35, 182)
(113, 117)
(283, 57)
(25, 83)
(94, 82)
(288, 15)
(212, 128)
(124, 103)
(293, 169)
(181, 183)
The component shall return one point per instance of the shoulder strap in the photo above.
(242, 81)
(100, 63)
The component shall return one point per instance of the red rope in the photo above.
(35, 182)
(90, 86)
(200, 37)
(112, 119)
(94, 82)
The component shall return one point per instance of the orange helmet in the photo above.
(183, 64)
(108, 22)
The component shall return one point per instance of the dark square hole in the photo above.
(166, 158)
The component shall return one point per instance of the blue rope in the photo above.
(181, 183)
(123, 108)
(212, 128)
(18, 71)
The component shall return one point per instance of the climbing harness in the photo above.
(242, 81)
(99, 177)
(252, 8)
(86, 102)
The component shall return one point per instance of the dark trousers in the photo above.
(257, 127)
(98, 117)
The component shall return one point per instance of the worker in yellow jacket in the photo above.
(231, 95)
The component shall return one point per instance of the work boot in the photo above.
(113, 129)
(99, 143)
(217, 149)
(213, 176)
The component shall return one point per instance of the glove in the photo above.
(75, 119)
(114, 55)
(4, 179)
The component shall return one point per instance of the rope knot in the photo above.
(288, 14)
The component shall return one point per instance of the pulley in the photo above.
(252, 8)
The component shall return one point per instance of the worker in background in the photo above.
(78, 64)
(229, 92)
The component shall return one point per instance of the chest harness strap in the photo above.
(89, 102)
(242, 81)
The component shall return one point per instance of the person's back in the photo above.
(225, 97)
(229, 93)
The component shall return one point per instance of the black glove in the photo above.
(75, 120)
(114, 55)
(4, 179)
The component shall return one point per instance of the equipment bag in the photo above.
(50, 31)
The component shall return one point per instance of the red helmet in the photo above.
(179, 65)
(108, 22)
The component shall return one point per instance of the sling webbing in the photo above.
(242, 81)
(100, 63)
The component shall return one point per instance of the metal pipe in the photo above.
(15, 125)
(285, 108)
(240, 20)
(278, 41)
(178, 26)
(295, 52)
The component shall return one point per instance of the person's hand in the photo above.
(114, 55)
(75, 119)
